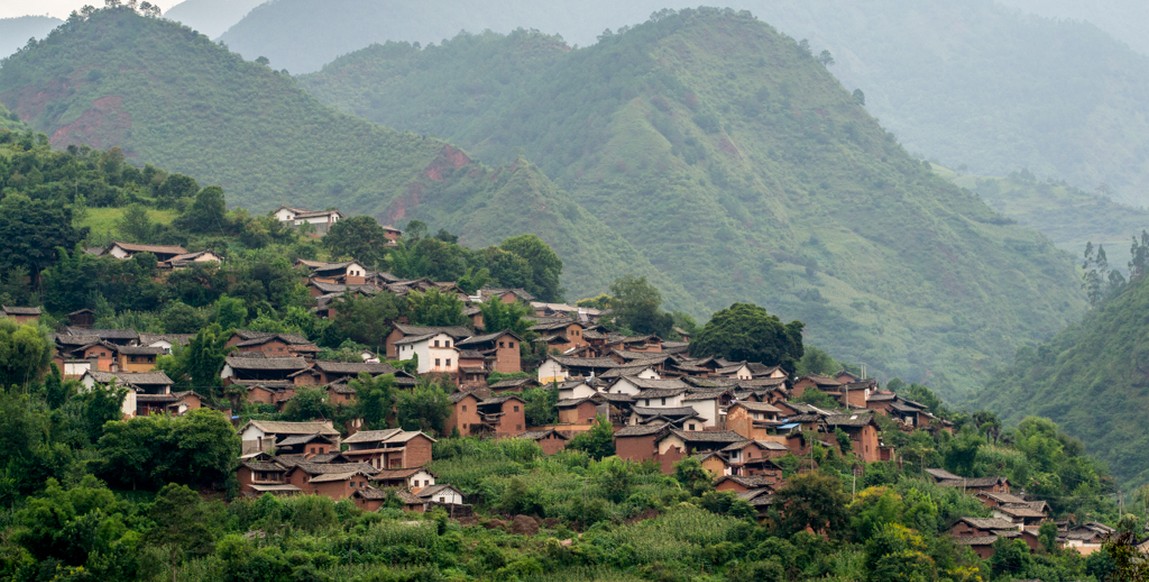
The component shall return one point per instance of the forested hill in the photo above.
(9, 120)
(170, 96)
(728, 155)
(211, 17)
(1092, 379)
(15, 32)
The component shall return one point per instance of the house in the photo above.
(390, 448)
(307, 445)
(137, 358)
(434, 352)
(440, 495)
(324, 372)
(124, 251)
(823, 383)
(678, 444)
(271, 344)
(262, 435)
(189, 259)
(639, 443)
(20, 315)
(250, 367)
(82, 318)
(166, 342)
(709, 404)
(574, 389)
(412, 479)
(333, 480)
(260, 474)
(174, 403)
(502, 350)
(550, 441)
(153, 383)
(753, 420)
(320, 220)
(1086, 538)
(743, 484)
(349, 273)
(637, 385)
(513, 385)
(717, 464)
(501, 416)
(505, 295)
(979, 534)
(402, 331)
(563, 368)
(679, 416)
(560, 335)
(863, 432)
(578, 410)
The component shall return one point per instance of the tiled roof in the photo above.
(758, 407)
(286, 427)
(154, 249)
(641, 430)
(456, 332)
(353, 368)
(707, 436)
(664, 384)
(249, 362)
(137, 379)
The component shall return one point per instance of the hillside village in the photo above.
(748, 424)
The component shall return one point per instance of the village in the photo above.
(737, 419)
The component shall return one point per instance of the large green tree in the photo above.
(636, 306)
(33, 231)
(434, 307)
(360, 238)
(748, 332)
(546, 266)
(198, 450)
(24, 353)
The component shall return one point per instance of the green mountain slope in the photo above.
(1070, 217)
(1093, 380)
(211, 17)
(166, 94)
(9, 120)
(726, 154)
(15, 32)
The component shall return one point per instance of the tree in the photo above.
(636, 306)
(360, 238)
(690, 473)
(32, 232)
(435, 308)
(541, 406)
(135, 225)
(747, 332)
(598, 442)
(376, 399)
(308, 404)
(500, 316)
(197, 366)
(817, 361)
(546, 266)
(24, 354)
(425, 408)
(198, 449)
(207, 213)
(365, 320)
(813, 500)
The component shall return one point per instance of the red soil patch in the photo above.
(104, 125)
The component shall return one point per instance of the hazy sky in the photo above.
(58, 8)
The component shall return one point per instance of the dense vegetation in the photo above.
(1092, 379)
(180, 101)
(731, 158)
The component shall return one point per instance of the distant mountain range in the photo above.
(702, 149)
(1125, 20)
(211, 17)
(15, 32)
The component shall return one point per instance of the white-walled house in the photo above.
(322, 220)
(436, 353)
(634, 385)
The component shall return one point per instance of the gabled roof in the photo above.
(665, 384)
(758, 407)
(850, 420)
(660, 393)
(456, 332)
(24, 311)
(302, 439)
(353, 368)
(708, 436)
(989, 523)
(139, 350)
(642, 430)
(131, 379)
(429, 492)
(154, 249)
(490, 337)
(392, 474)
(285, 427)
(250, 362)
(594, 363)
(390, 435)
(538, 435)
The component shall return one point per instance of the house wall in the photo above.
(508, 359)
(136, 364)
(418, 452)
(446, 354)
(668, 402)
(551, 371)
(464, 415)
(741, 421)
(636, 448)
(514, 419)
(624, 386)
(865, 443)
(552, 444)
(716, 467)
(447, 496)
(581, 390)
(102, 355)
(583, 413)
(338, 489)
(707, 409)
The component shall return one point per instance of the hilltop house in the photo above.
(320, 220)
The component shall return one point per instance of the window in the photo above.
(448, 362)
(436, 343)
(518, 427)
(510, 344)
(516, 408)
(691, 426)
(436, 362)
(663, 401)
(447, 343)
(502, 344)
(464, 408)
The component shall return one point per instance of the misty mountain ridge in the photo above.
(211, 17)
(727, 154)
(15, 32)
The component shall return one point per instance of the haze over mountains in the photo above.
(703, 149)
(15, 32)
(211, 17)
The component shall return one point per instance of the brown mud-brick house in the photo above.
(271, 392)
(550, 441)
(280, 345)
(754, 420)
(260, 474)
(307, 445)
(743, 484)
(502, 416)
(639, 443)
(392, 448)
(175, 403)
(250, 367)
(137, 358)
(263, 435)
(501, 349)
(412, 479)
(863, 431)
(973, 485)
(560, 335)
(345, 273)
(813, 381)
(333, 480)
(321, 372)
(579, 410)
(20, 315)
(506, 295)
(679, 416)
(678, 444)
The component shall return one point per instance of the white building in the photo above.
(436, 353)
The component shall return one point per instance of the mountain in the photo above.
(727, 154)
(166, 94)
(1069, 216)
(1124, 19)
(15, 32)
(1092, 379)
(980, 85)
(9, 120)
(211, 17)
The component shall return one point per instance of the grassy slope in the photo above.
(739, 166)
(173, 98)
(1070, 217)
(1093, 380)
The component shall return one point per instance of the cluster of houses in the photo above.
(736, 418)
